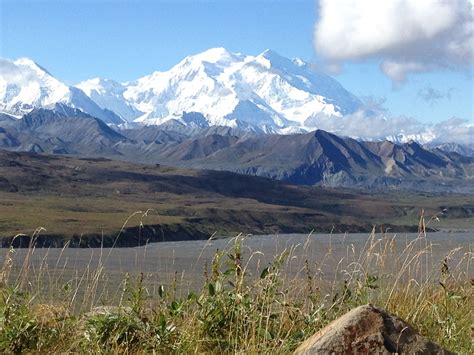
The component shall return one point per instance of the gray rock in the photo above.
(369, 330)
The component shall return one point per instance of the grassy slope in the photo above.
(79, 196)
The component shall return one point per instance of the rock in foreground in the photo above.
(369, 330)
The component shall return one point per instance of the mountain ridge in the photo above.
(268, 91)
(315, 158)
(27, 85)
(265, 93)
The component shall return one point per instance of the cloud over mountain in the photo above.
(409, 36)
(13, 74)
(378, 125)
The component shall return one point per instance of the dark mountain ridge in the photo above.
(61, 133)
(315, 158)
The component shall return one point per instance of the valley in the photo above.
(197, 126)
(236, 177)
(92, 201)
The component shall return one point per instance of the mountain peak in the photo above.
(218, 51)
(270, 58)
(270, 53)
(31, 86)
(30, 63)
(25, 61)
(268, 92)
(215, 55)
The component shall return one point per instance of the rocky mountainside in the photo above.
(315, 158)
(47, 131)
(321, 158)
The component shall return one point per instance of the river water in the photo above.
(323, 256)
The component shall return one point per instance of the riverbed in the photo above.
(327, 257)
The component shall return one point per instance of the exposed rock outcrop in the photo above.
(369, 330)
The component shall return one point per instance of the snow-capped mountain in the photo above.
(24, 85)
(108, 94)
(267, 91)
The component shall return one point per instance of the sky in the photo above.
(408, 60)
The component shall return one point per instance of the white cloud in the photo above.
(397, 71)
(375, 123)
(14, 75)
(408, 35)
(455, 129)
(370, 125)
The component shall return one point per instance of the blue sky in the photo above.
(123, 40)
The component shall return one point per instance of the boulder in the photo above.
(369, 330)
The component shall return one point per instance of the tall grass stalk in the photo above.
(247, 301)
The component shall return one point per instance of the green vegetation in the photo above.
(240, 307)
(93, 197)
(104, 212)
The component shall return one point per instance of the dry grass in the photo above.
(242, 305)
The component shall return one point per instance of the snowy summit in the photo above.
(268, 92)
(265, 93)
